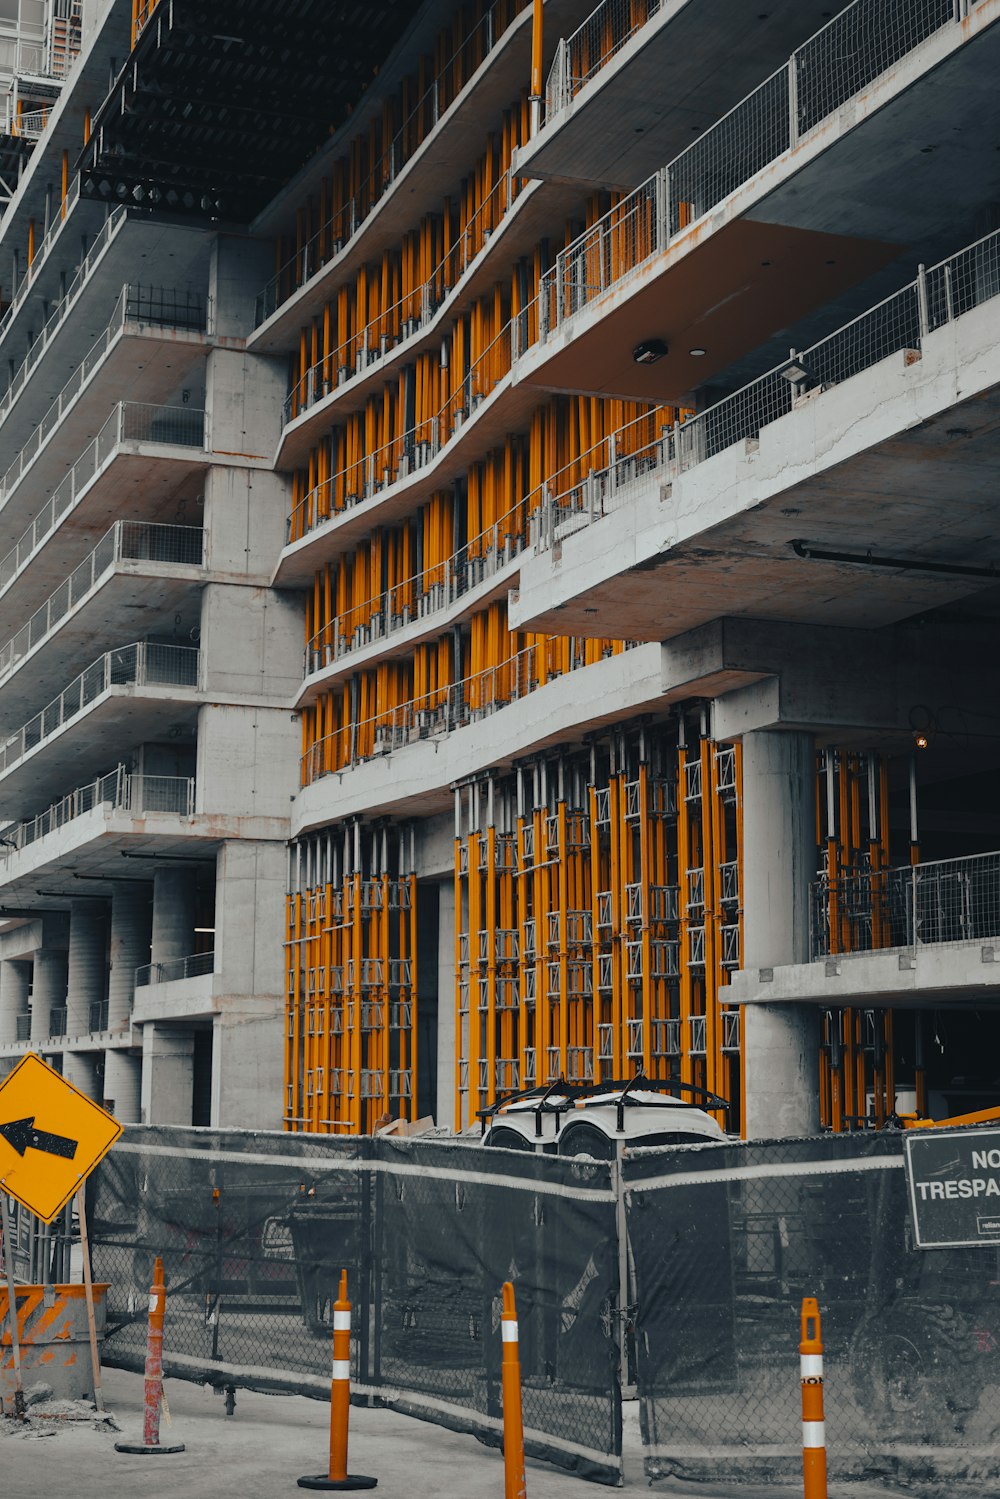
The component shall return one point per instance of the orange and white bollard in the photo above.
(813, 1424)
(153, 1391)
(513, 1425)
(340, 1404)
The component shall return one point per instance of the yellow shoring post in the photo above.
(685, 988)
(490, 930)
(647, 877)
(714, 854)
(352, 995)
(740, 887)
(462, 1022)
(296, 1077)
(597, 874)
(521, 905)
(618, 954)
(626, 877)
(562, 898)
(476, 1101)
(540, 907)
(383, 927)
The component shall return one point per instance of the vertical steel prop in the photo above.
(153, 1389)
(513, 1426)
(340, 1405)
(813, 1424)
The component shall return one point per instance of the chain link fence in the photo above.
(254, 1230)
(727, 1241)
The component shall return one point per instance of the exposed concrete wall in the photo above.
(245, 518)
(780, 1043)
(251, 640)
(131, 916)
(174, 899)
(123, 1085)
(15, 978)
(87, 972)
(167, 1075)
(237, 270)
(248, 1064)
(244, 397)
(247, 761)
(48, 990)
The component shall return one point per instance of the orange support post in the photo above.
(813, 1425)
(340, 1404)
(515, 1486)
(153, 1391)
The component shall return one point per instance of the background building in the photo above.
(644, 713)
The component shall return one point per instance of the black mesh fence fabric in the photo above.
(725, 1243)
(255, 1228)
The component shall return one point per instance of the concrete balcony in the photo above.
(871, 457)
(142, 456)
(180, 989)
(384, 213)
(922, 935)
(409, 759)
(398, 619)
(91, 831)
(130, 695)
(837, 164)
(154, 360)
(343, 382)
(630, 86)
(135, 567)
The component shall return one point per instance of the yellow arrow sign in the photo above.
(51, 1137)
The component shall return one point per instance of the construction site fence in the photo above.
(678, 1273)
(255, 1228)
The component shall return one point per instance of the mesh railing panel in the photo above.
(951, 901)
(911, 1350)
(254, 1230)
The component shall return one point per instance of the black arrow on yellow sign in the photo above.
(22, 1135)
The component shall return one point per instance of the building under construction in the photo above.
(529, 611)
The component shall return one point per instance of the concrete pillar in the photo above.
(248, 1064)
(167, 1075)
(80, 1069)
(123, 1085)
(780, 1042)
(86, 966)
(130, 945)
(174, 896)
(14, 982)
(48, 991)
(444, 1109)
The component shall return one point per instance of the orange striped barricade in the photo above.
(813, 1424)
(513, 1426)
(340, 1405)
(153, 1389)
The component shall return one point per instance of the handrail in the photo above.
(126, 540)
(181, 426)
(196, 965)
(444, 709)
(121, 789)
(144, 664)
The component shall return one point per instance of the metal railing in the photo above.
(835, 65)
(24, 1026)
(57, 1022)
(195, 966)
(143, 664)
(444, 709)
(328, 241)
(414, 449)
(899, 324)
(180, 426)
(127, 540)
(406, 318)
(120, 789)
(150, 305)
(947, 901)
(98, 1016)
(422, 597)
(580, 56)
(81, 275)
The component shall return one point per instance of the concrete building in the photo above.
(603, 398)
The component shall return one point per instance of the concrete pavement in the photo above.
(271, 1440)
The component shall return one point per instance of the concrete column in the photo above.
(80, 1069)
(174, 897)
(444, 1109)
(86, 966)
(130, 945)
(48, 991)
(780, 1042)
(14, 982)
(122, 1085)
(167, 1075)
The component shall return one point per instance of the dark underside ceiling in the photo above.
(222, 101)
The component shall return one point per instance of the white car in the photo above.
(599, 1119)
